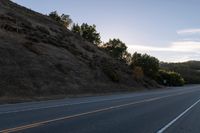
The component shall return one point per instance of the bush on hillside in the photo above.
(88, 32)
(63, 19)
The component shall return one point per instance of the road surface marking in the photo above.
(37, 124)
(68, 104)
(86, 102)
(177, 118)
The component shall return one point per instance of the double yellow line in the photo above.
(38, 124)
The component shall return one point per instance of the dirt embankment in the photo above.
(39, 57)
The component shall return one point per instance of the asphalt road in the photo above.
(172, 110)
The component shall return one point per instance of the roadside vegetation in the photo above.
(142, 65)
(189, 70)
(170, 78)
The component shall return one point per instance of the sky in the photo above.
(166, 29)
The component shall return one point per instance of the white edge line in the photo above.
(178, 117)
(20, 128)
(91, 112)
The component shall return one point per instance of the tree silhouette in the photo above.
(54, 15)
(67, 21)
(116, 48)
(63, 19)
(88, 32)
(149, 64)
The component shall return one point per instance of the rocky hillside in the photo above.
(39, 57)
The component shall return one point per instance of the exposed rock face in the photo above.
(40, 57)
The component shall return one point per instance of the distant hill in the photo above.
(189, 70)
(39, 57)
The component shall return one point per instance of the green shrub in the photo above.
(188, 70)
(170, 78)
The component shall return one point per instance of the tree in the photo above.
(63, 19)
(149, 64)
(136, 60)
(54, 15)
(76, 29)
(66, 20)
(116, 48)
(88, 32)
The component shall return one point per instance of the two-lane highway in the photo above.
(167, 110)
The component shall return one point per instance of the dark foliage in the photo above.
(149, 64)
(63, 19)
(88, 32)
(170, 78)
(189, 70)
(116, 48)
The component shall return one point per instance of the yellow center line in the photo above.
(38, 124)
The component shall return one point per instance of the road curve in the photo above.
(168, 110)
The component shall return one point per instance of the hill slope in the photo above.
(189, 70)
(40, 57)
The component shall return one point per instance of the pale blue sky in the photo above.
(166, 29)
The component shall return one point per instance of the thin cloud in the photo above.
(178, 51)
(147, 48)
(186, 46)
(179, 46)
(189, 31)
